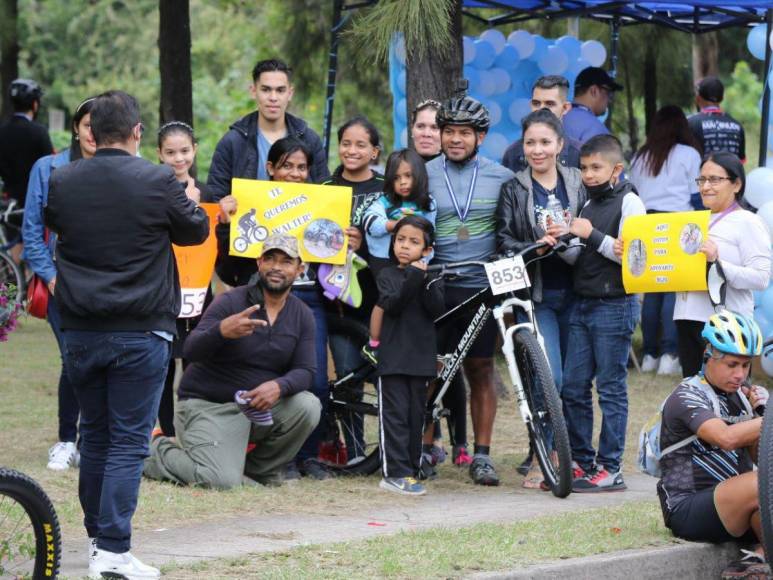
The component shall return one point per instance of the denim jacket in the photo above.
(36, 253)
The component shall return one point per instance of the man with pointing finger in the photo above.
(258, 339)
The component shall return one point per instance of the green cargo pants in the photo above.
(212, 439)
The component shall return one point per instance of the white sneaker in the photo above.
(62, 455)
(649, 364)
(92, 549)
(669, 365)
(111, 565)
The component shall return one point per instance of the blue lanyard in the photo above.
(462, 214)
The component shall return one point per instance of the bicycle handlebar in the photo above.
(507, 254)
(9, 210)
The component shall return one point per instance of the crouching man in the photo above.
(708, 490)
(257, 338)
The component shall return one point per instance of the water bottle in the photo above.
(555, 211)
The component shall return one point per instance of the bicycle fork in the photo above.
(508, 346)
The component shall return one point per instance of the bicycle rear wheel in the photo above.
(547, 428)
(353, 406)
(11, 274)
(765, 483)
(30, 540)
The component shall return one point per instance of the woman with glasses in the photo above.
(664, 172)
(738, 240)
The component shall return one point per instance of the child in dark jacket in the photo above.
(407, 354)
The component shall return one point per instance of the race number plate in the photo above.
(192, 302)
(507, 275)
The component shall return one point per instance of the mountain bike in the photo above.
(30, 539)
(353, 409)
(10, 272)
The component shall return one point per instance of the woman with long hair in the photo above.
(664, 172)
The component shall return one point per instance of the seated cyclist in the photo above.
(708, 491)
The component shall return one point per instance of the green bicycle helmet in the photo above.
(463, 111)
(733, 333)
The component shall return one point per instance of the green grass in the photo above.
(452, 553)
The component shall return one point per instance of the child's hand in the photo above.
(228, 206)
(618, 247)
(709, 248)
(420, 265)
(406, 211)
(193, 192)
(581, 227)
(355, 238)
(549, 240)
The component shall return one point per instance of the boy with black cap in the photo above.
(591, 99)
(714, 129)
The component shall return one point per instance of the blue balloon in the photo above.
(488, 84)
(473, 77)
(540, 48)
(468, 49)
(759, 186)
(401, 82)
(494, 146)
(507, 59)
(495, 38)
(518, 109)
(757, 297)
(401, 111)
(764, 321)
(501, 80)
(766, 304)
(484, 54)
(523, 77)
(571, 46)
(523, 42)
(554, 62)
(765, 213)
(757, 40)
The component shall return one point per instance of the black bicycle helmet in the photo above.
(464, 111)
(24, 92)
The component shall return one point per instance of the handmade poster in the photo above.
(195, 265)
(316, 215)
(661, 252)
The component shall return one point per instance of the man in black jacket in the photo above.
(118, 292)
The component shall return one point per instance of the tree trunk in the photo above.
(436, 75)
(633, 126)
(705, 55)
(650, 84)
(9, 51)
(174, 49)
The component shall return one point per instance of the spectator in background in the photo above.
(22, 143)
(243, 151)
(664, 171)
(592, 91)
(714, 129)
(552, 93)
(39, 254)
(424, 130)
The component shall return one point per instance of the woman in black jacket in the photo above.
(528, 203)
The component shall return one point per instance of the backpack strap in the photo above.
(694, 381)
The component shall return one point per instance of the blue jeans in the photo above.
(313, 299)
(68, 402)
(553, 316)
(600, 339)
(118, 379)
(657, 313)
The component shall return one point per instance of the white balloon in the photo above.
(494, 112)
(523, 42)
(554, 62)
(468, 48)
(487, 85)
(501, 79)
(759, 186)
(766, 214)
(518, 109)
(496, 38)
(594, 52)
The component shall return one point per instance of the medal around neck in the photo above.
(463, 233)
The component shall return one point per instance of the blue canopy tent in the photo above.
(691, 17)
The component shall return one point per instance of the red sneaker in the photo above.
(461, 457)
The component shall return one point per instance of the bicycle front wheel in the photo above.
(30, 540)
(765, 482)
(10, 274)
(547, 428)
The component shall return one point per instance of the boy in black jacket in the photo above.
(407, 353)
(603, 320)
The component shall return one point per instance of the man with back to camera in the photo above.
(592, 92)
(708, 490)
(243, 151)
(714, 129)
(552, 93)
(22, 142)
(466, 187)
(257, 338)
(117, 289)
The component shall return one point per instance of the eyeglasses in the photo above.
(712, 179)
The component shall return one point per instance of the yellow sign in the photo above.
(195, 265)
(661, 252)
(316, 215)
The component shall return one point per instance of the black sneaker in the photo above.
(482, 470)
(525, 466)
(315, 469)
(599, 480)
(370, 354)
(427, 469)
(290, 472)
(751, 565)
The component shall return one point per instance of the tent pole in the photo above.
(766, 93)
(331, 72)
(614, 43)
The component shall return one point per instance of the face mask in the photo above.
(601, 189)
